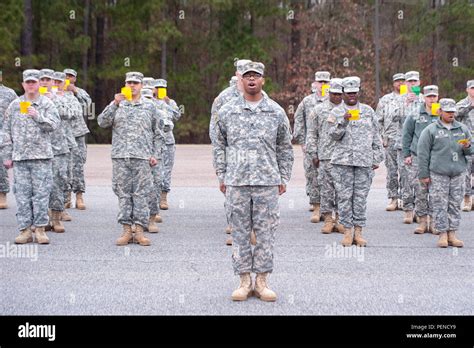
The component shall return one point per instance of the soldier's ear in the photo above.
(263, 81)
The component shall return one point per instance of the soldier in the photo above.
(79, 155)
(442, 151)
(172, 114)
(414, 124)
(7, 95)
(299, 134)
(320, 146)
(357, 153)
(389, 113)
(26, 147)
(254, 158)
(136, 145)
(465, 115)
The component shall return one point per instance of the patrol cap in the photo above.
(48, 73)
(335, 85)
(351, 84)
(147, 92)
(134, 76)
(70, 72)
(398, 76)
(233, 81)
(470, 84)
(59, 76)
(322, 76)
(31, 75)
(148, 82)
(161, 83)
(447, 104)
(255, 67)
(239, 64)
(412, 76)
(430, 90)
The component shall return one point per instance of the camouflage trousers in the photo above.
(392, 164)
(326, 187)
(132, 182)
(447, 195)
(79, 156)
(421, 191)
(352, 188)
(168, 163)
(468, 183)
(155, 193)
(408, 177)
(253, 207)
(4, 183)
(311, 174)
(33, 180)
(69, 173)
(56, 198)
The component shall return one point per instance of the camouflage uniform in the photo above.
(7, 95)
(320, 145)
(443, 160)
(465, 115)
(27, 142)
(389, 113)
(136, 137)
(358, 148)
(253, 156)
(299, 134)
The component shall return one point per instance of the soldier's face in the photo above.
(71, 78)
(446, 116)
(46, 82)
(31, 86)
(135, 87)
(470, 92)
(335, 98)
(351, 98)
(59, 83)
(430, 99)
(319, 85)
(412, 83)
(397, 84)
(252, 83)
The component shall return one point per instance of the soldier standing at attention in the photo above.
(254, 158)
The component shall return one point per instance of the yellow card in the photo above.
(43, 90)
(24, 105)
(127, 92)
(66, 83)
(463, 141)
(324, 89)
(403, 89)
(355, 115)
(435, 109)
(161, 92)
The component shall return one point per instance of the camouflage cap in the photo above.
(161, 83)
(470, 84)
(31, 75)
(240, 63)
(255, 67)
(148, 82)
(430, 90)
(447, 104)
(233, 81)
(134, 76)
(46, 73)
(70, 72)
(412, 76)
(322, 76)
(59, 76)
(351, 84)
(398, 76)
(147, 92)
(335, 85)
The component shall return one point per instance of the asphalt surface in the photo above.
(187, 269)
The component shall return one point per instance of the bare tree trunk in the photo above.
(377, 52)
(27, 32)
(87, 8)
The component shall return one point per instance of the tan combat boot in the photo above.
(467, 203)
(68, 204)
(3, 199)
(80, 201)
(245, 288)
(338, 227)
(328, 224)
(41, 237)
(56, 224)
(316, 213)
(431, 226)
(253, 238)
(228, 240)
(164, 201)
(261, 288)
(25, 236)
(408, 219)
(65, 216)
(228, 229)
(311, 207)
(358, 240)
(423, 226)
(453, 241)
(393, 205)
(49, 227)
(158, 218)
(348, 238)
(152, 228)
(443, 240)
(140, 237)
(126, 236)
